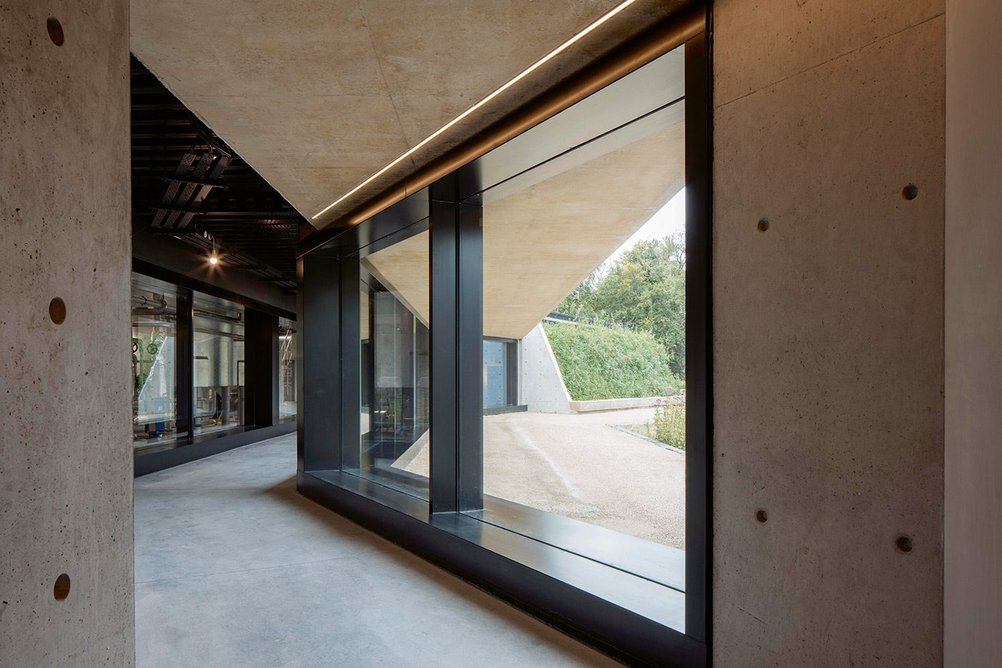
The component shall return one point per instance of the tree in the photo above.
(643, 289)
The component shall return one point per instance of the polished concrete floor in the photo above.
(233, 568)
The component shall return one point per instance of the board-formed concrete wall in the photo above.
(541, 385)
(65, 452)
(828, 341)
(973, 513)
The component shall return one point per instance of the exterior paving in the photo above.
(583, 467)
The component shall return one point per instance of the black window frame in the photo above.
(261, 373)
(556, 585)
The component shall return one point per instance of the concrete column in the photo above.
(973, 514)
(65, 451)
(828, 343)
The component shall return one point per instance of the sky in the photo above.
(668, 221)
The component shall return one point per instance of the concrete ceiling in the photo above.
(317, 95)
(544, 235)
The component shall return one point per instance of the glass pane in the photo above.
(394, 312)
(495, 374)
(286, 370)
(154, 367)
(584, 266)
(218, 327)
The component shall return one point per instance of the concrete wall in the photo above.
(973, 517)
(828, 343)
(540, 385)
(65, 451)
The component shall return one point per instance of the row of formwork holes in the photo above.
(57, 310)
(902, 543)
(909, 192)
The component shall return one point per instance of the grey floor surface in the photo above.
(234, 568)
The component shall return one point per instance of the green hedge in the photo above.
(609, 363)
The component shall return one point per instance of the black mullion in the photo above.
(370, 362)
(470, 354)
(260, 353)
(300, 366)
(351, 330)
(698, 296)
(443, 250)
(319, 319)
(276, 371)
(185, 366)
(511, 371)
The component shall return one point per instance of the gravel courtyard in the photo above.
(583, 467)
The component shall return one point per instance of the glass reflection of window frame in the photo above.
(394, 430)
(507, 350)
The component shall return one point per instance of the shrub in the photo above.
(609, 363)
(668, 425)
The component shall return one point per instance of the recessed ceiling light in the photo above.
(511, 82)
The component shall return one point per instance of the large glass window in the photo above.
(154, 363)
(395, 372)
(584, 263)
(568, 362)
(219, 369)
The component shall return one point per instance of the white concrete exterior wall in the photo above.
(828, 341)
(65, 450)
(973, 513)
(541, 386)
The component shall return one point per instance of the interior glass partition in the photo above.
(154, 364)
(394, 320)
(219, 365)
(208, 373)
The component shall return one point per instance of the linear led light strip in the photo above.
(511, 82)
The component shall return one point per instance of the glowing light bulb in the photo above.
(213, 260)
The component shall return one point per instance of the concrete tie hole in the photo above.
(62, 587)
(763, 225)
(909, 192)
(55, 29)
(903, 544)
(57, 311)
(761, 516)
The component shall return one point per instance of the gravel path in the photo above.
(580, 466)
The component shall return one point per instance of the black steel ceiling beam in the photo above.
(195, 182)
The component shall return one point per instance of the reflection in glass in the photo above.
(286, 370)
(154, 368)
(218, 327)
(496, 372)
(394, 311)
(583, 268)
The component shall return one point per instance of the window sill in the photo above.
(628, 615)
